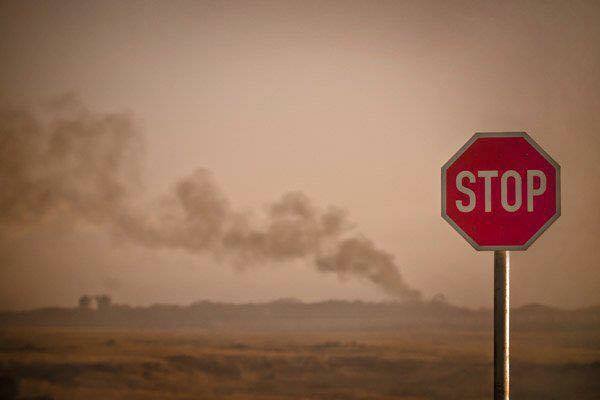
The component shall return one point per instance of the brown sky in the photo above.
(357, 104)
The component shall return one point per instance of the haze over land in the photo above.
(194, 160)
(354, 105)
(292, 350)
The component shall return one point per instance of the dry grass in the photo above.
(187, 364)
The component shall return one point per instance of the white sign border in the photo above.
(451, 161)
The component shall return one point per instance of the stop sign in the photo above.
(501, 191)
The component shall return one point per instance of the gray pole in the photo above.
(501, 324)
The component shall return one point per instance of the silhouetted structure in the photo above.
(103, 302)
(85, 301)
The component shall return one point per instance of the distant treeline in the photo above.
(294, 315)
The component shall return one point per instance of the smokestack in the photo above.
(65, 161)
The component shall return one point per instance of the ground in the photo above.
(107, 363)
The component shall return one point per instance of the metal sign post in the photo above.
(501, 324)
(501, 191)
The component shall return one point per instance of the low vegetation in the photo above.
(116, 363)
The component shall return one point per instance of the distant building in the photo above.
(85, 301)
(103, 302)
(439, 298)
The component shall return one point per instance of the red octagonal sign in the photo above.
(501, 191)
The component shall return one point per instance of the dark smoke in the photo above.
(67, 162)
(359, 256)
(64, 161)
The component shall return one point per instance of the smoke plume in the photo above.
(63, 161)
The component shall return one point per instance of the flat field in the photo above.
(103, 363)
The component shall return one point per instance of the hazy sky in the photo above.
(357, 104)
